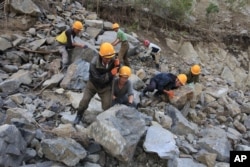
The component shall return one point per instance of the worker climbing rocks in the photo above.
(121, 38)
(103, 68)
(66, 42)
(153, 50)
(165, 83)
(123, 89)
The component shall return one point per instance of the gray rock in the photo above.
(63, 150)
(160, 141)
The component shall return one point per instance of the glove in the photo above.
(114, 71)
(170, 93)
(85, 46)
(117, 62)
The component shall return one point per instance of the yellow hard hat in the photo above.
(182, 78)
(125, 71)
(115, 25)
(196, 69)
(107, 50)
(78, 25)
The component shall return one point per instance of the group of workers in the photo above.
(109, 75)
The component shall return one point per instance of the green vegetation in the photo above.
(212, 8)
(234, 5)
(178, 9)
(174, 9)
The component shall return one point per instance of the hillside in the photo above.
(198, 127)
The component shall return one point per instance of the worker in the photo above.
(122, 88)
(165, 83)
(193, 74)
(121, 38)
(103, 68)
(153, 50)
(66, 42)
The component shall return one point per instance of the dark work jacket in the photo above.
(99, 75)
(165, 81)
(70, 34)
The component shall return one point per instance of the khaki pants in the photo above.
(63, 51)
(122, 55)
(89, 92)
(157, 57)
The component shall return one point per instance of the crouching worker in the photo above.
(164, 83)
(153, 50)
(193, 74)
(123, 89)
(102, 70)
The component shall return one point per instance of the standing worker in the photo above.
(165, 83)
(121, 38)
(123, 89)
(103, 68)
(153, 50)
(66, 42)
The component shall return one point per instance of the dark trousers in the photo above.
(89, 92)
(151, 86)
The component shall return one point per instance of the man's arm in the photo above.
(115, 42)
(131, 99)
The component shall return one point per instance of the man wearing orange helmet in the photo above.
(192, 73)
(66, 42)
(103, 68)
(121, 38)
(122, 88)
(153, 50)
(165, 83)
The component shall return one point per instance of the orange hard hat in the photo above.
(196, 69)
(78, 25)
(115, 25)
(182, 78)
(107, 50)
(125, 71)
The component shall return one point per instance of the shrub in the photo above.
(212, 8)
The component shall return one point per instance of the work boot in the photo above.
(157, 66)
(77, 119)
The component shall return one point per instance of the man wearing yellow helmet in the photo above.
(122, 88)
(121, 38)
(66, 41)
(193, 74)
(164, 83)
(102, 70)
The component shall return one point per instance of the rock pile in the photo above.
(198, 127)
